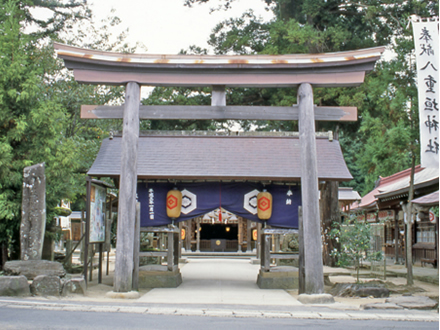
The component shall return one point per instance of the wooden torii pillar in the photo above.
(123, 279)
(314, 279)
(303, 70)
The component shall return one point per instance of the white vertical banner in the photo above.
(426, 34)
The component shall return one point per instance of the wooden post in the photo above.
(265, 252)
(301, 275)
(110, 216)
(180, 246)
(396, 238)
(409, 226)
(218, 95)
(258, 242)
(127, 190)
(248, 236)
(92, 255)
(100, 263)
(198, 235)
(262, 258)
(136, 247)
(87, 229)
(170, 252)
(69, 252)
(436, 241)
(188, 235)
(309, 192)
(177, 255)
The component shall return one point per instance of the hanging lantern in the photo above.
(264, 205)
(174, 203)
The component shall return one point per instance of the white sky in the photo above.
(166, 26)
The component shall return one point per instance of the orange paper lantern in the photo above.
(264, 205)
(174, 203)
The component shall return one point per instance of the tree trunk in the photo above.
(408, 241)
(329, 214)
(3, 254)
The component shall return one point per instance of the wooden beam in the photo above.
(314, 275)
(189, 112)
(337, 69)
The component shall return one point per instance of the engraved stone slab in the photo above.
(33, 216)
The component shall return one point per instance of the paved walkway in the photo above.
(220, 281)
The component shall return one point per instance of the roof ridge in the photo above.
(326, 135)
(399, 175)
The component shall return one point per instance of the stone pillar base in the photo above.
(278, 280)
(159, 279)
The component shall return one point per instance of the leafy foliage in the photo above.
(39, 112)
(355, 240)
(385, 137)
(31, 124)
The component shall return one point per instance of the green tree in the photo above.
(31, 125)
(39, 110)
(354, 244)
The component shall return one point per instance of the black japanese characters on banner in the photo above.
(426, 46)
(201, 198)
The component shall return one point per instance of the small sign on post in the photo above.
(97, 214)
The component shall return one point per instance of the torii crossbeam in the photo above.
(340, 69)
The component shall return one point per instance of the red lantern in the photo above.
(174, 203)
(264, 205)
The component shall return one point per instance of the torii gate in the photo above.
(340, 69)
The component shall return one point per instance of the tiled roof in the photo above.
(397, 183)
(430, 199)
(425, 177)
(256, 158)
(369, 200)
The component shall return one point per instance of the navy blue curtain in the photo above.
(201, 198)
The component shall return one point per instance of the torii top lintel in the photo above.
(321, 70)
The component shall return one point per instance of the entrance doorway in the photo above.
(213, 232)
(219, 237)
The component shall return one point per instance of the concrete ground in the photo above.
(227, 287)
(220, 281)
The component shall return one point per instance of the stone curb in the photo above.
(404, 315)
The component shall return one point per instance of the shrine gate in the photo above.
(304, 71)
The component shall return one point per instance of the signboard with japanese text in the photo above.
(426, 44)
(371, 217)
(97, 214)
(386, 215)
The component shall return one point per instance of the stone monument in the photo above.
(33, 216)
